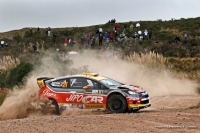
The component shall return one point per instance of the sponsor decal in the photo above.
(134, 98)
(100, 92)
(94, 91)
(56, 84)
(49, 94)
(64, 84)
(84, 99)
(97, 91)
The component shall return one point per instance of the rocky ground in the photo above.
(167, 114)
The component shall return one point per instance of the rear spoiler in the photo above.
(41, 81)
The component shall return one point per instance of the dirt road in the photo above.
(167, 114)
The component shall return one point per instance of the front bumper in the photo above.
(138, 106)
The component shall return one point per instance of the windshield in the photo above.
(110, 82)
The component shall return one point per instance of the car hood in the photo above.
(131, 87)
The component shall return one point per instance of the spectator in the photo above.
(74, 41)
(141, 37)
(100, 31)
(38, 29)
(34, 48)
(139, 32)
(6, 44)
(113, 21)
(66, 42)
(177, 39)
(93, 41)
(185, 36)
(145, 35)
(106, 37)
(100, 39)
(150, 34)
(116, 35)
(2, 43)
(69, 41)
(97, 33)
(135, 36)
(111, 36)
(138, 25)
(49, 31)
(87, 37)
(117, 26)
(131, 27)
(83, 40)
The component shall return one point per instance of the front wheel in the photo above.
(117, 104)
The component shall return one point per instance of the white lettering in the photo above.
(48, 93)
(85, 99)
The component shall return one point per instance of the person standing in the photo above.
(111, 36)
(49, 31)
(145, 35)
(106, 37)
(93, 41)
(100, 39)
(138, 26)
(2, 43)
(65, 42)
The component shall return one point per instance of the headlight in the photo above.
(131, 92)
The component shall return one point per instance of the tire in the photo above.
(57, 109)
(117, 104)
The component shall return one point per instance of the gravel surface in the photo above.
(167, 114)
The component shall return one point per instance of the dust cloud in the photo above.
(156, 83)
(19, 102)
(22, 102)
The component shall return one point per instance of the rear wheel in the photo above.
(117, 104)
(57, 109)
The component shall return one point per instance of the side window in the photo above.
(79, 83)
(63, 83)
(103, 87)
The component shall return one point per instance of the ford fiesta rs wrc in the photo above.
(91, 91)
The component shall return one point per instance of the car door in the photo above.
(95, 97)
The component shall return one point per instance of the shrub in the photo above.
(2, 97)
(17, 74)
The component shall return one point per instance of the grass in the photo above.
(2, 97)
(195, 107)
(7, 63)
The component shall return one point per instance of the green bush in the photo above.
(17, 74)
(2, 97)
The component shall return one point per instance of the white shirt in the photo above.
(138, 25)
(139, 32)
(2, 42)
(145, 33)
(100, 30)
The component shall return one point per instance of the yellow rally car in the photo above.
(90, 91)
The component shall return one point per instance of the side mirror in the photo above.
(86, 88)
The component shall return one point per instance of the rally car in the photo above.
(91, 91)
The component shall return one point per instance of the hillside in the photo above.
(162, 41)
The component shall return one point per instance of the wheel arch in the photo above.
(114, 93)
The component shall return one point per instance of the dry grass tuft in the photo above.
(7, 63)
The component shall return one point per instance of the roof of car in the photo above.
(85, 75)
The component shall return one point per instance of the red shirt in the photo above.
(117, 26)
(111, 35)
(66, 41)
